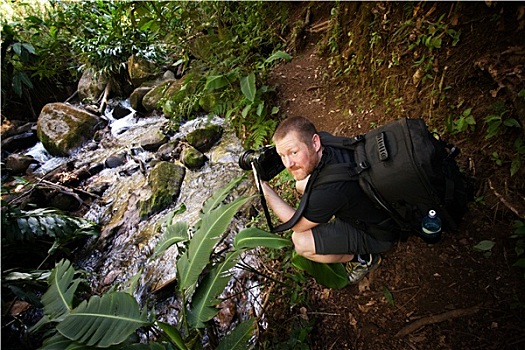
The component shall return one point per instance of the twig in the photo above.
(504, 201)
(436, 319)
(69, 190)
(70, 97)
(63, 189)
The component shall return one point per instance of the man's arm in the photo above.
(283, 210)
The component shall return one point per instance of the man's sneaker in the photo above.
(358, 270)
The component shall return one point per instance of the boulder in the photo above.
(203, 139)
(193, 158)
(165, 181)
(62, 128)
(137, 96)
(140, 70)
(153, 140)
(90, 87)
(153, 97)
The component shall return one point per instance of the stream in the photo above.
(126, 244)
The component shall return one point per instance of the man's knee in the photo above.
(303, 243)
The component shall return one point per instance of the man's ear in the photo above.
(316, 142)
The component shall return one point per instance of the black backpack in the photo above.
(406, 171)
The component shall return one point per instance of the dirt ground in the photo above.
(448, 296)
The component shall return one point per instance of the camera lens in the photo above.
(246, 159)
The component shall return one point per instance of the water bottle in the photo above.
(431, 228)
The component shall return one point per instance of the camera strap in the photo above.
(263, 199)
(302, 205)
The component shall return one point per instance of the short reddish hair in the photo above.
(304, 128)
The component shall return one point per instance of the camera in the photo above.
(266, 160)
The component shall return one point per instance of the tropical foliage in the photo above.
(112, 319)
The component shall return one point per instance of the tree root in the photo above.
(436, 319)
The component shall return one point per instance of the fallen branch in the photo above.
(105, 96)
(436, 319)
(320, 27)
(505, 201)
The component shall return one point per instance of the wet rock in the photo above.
(98, 188)
(96, 168)
(116, 160)
(62, 128)
(165, 180)
(91, 87)
(169, 151)
(17, 164)
(153, 140)
(137, 96)
(65, 202)
(120, 112)
(18, 142)
(140, 70)
(152, 98)
(193, 158)
(203, 139)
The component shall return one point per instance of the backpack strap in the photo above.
(329, 173)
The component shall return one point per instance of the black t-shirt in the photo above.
(344, 200)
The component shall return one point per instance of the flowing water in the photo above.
(127, 242)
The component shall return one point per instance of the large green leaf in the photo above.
(211, 228)
(103, 321)
(278, 55)
(214, 82)
(58, 299)
(204, 301)
(175, 233)
(238, 339)
(329, 275)
(174, 334)
(59, 342)
(253, 237)
(218, 197)
(45, 222)
(248, 87)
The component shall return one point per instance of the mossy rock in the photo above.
(151, 100)
(165, 180)
(193, 158)
(203, 139)
(62, 128)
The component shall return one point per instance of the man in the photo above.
(339, 220)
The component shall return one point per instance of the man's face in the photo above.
(298, 157)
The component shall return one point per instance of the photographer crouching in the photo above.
(335, 222)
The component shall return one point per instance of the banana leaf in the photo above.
(329, 275)
(175, 233)
(253, 237)
(58, 299)
(204, 301)
(216, 199)
(104, 321)
(59, 342)
(212, 227)
(174, 334)
(238, 339)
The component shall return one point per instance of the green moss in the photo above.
(165, 180)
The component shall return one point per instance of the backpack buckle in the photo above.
(364, 165)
